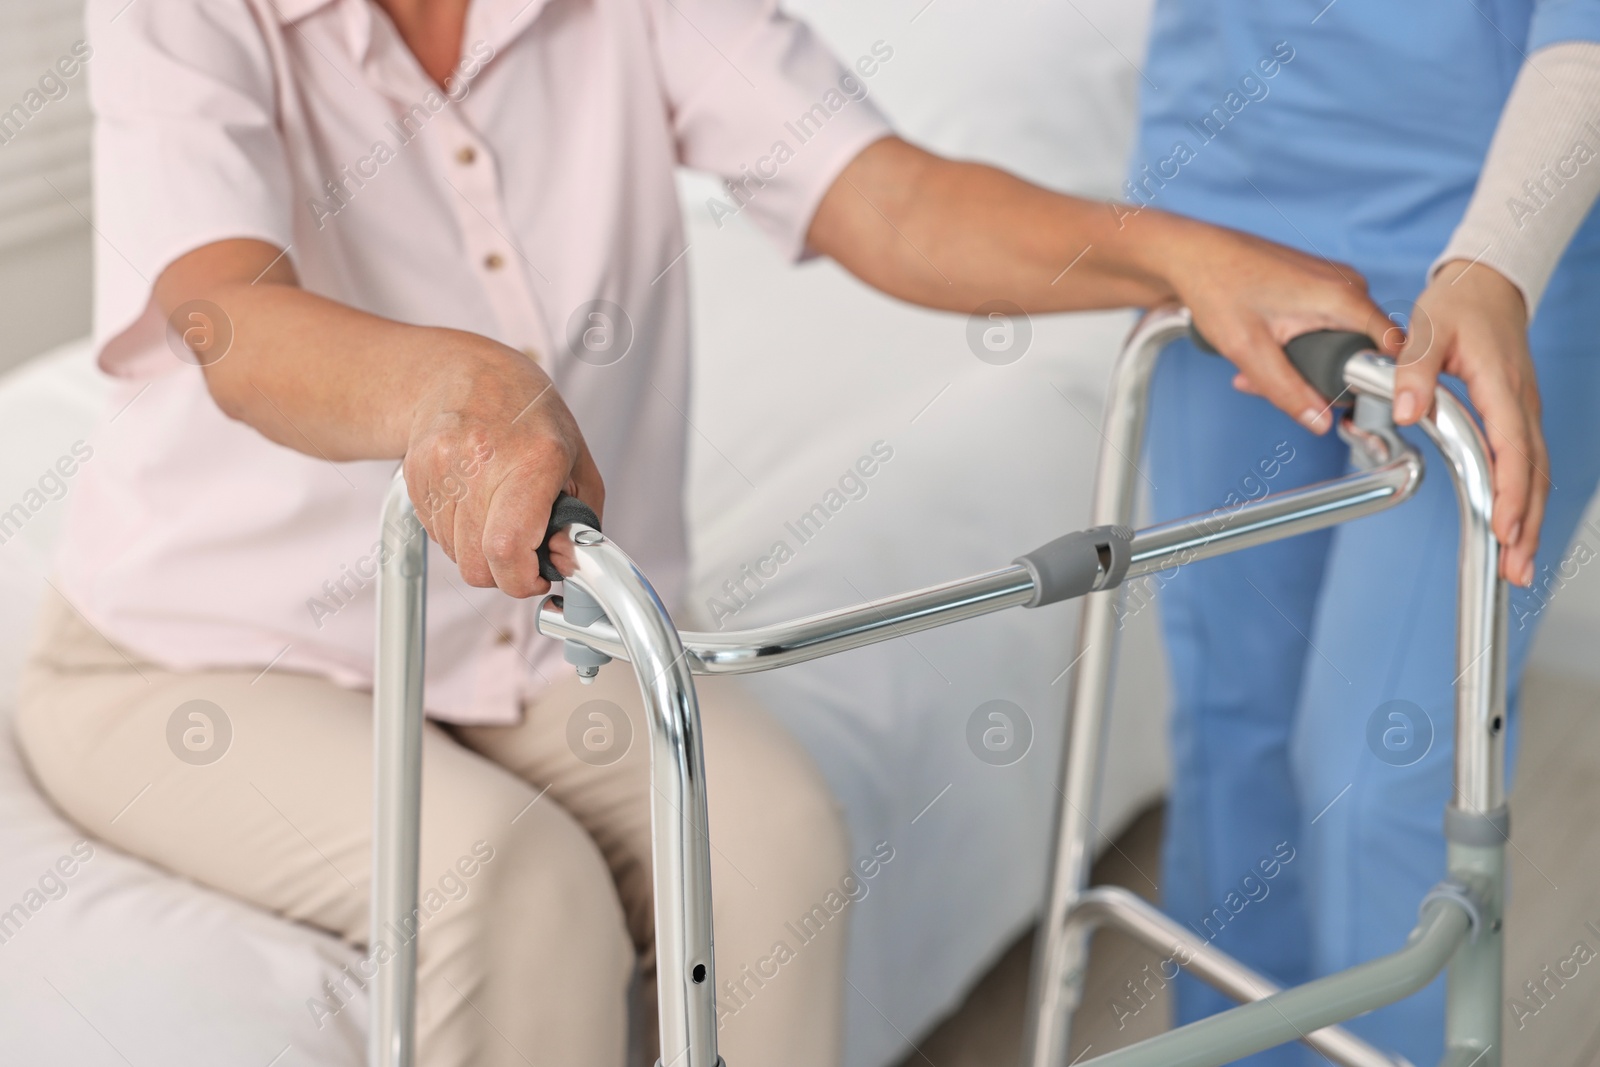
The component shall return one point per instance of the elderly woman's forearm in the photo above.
(322, 377)
(314, 374)
(952, 235)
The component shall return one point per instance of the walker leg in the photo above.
(686, 979)
(686, 975)
(1061, 951)
(1478, 822)
(397, 781)
(1473, 983)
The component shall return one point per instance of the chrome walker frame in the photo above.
(609, 610)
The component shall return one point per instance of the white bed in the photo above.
(120, 963)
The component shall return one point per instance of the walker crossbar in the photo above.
(1292, 1014)
(609, 611)
(1394, 473)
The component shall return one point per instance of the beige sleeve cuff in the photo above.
(1542, 173)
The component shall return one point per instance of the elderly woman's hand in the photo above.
(487, 442)
(491, 445)
(1250, 297)
(959, 236)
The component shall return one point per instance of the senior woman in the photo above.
(341, 234)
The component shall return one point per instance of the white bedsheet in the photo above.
(118, 962)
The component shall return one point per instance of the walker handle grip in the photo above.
(567, 510)
(1319, 356)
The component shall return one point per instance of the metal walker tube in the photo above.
(1061, 953)
(681, 845)
(1394, 475)
(686, 973)
(397, 778)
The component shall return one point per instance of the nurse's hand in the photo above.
(1471, 322)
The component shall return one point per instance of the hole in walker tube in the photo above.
(699, 973)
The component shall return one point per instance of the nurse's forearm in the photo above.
(1539, 182)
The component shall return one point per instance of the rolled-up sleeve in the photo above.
(1555, 21)
(760, 102)
(186, 152)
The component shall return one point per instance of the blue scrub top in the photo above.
(1354, 129)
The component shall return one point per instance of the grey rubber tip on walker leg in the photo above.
(1078, 563)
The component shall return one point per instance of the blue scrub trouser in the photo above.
(1289, 842)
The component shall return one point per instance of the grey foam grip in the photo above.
(1070, 566)
(1319, 356)
(566, 511)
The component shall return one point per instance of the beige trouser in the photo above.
(536, 886)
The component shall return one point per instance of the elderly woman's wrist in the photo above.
(457, 371)
(1162, 249)
(455, 360)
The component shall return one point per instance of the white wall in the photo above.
(44, 178)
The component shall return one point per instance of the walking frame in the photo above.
(609, 611)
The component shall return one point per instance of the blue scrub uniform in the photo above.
(1354, 130)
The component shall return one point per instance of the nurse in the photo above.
(1450, 152)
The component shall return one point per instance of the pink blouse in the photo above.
(531, 200)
